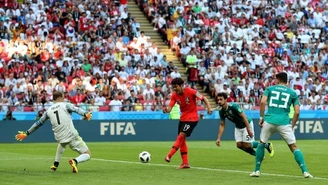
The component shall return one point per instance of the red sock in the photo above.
(184, 152)
(180, 139)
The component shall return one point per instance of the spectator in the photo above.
(9, 115)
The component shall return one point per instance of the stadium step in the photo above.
(147, 27)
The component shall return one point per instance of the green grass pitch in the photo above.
(117, 163)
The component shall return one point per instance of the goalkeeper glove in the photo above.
(88, 116)
(21, 135)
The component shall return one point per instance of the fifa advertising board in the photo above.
(152, 130)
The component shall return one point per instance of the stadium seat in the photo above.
(13, 108)
(69, 79)
(104, 108)
(28, 109)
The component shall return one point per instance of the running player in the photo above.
(279, 98)
(186, 98)
(244, 129)
(60, 116)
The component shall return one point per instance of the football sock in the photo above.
(259, 156)
(56, 163)
(254, 144)
(299, 158)
(176, 145)
(59, 152)
(82, 158)
(184, 152)
(250, 151)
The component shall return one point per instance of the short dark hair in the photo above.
(282, 77)
(56, 95)
(177, 81)
(222, 94)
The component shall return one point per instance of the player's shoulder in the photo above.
(189, 90)
(233, 104)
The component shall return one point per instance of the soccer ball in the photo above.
(144, 157)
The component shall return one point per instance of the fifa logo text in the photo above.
(117, 128)
(309, 126)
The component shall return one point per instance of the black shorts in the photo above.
(187, 127)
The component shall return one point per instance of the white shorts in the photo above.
(77, 145)
(241, 134)
(285, 131)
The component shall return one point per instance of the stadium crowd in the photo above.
(93, 51)
(237, 46)
(96, 53)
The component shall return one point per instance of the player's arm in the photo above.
(207, 103)
(71, 108)
(296, 111)
(264, 100)
(248, 127)
(171, 104)
(23, 134)
(244, 118)
(220, 131)
(263, 103)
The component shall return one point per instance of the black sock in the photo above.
(75, 161)
(56, 163)
(250, 151)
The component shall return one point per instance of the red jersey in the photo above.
(187, 102)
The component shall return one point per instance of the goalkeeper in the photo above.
(60, 116)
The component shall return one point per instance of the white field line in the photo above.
(206, 169)
(168, 165)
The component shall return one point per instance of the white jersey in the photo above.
(60, 116)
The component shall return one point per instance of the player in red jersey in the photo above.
(186, 98)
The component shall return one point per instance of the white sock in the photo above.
(82, 158)
(60, 151)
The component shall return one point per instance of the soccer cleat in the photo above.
(74, 166)
(167, 159)
(270, 149)
(255, 174)
(307, 175)
(53, 168)
(184, 166)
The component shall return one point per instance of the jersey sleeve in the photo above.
(43, 118)
(222, 117)
(266, 92)
(173, 100)
(237, 108)
(38, 123)
(71, 108)
(197, 94)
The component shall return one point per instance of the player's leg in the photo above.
(184, 152)
(266, 132)
(239, 138)
(187, 130)
(248, 141)
(79, 146)
(60, 150)
(176, 145)
(286, 132)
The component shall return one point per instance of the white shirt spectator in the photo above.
(148, 94)
(175, 74)
(100, 100)
(115, 105)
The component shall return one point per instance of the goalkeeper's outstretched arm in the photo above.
(38, 124)
(71, 108)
